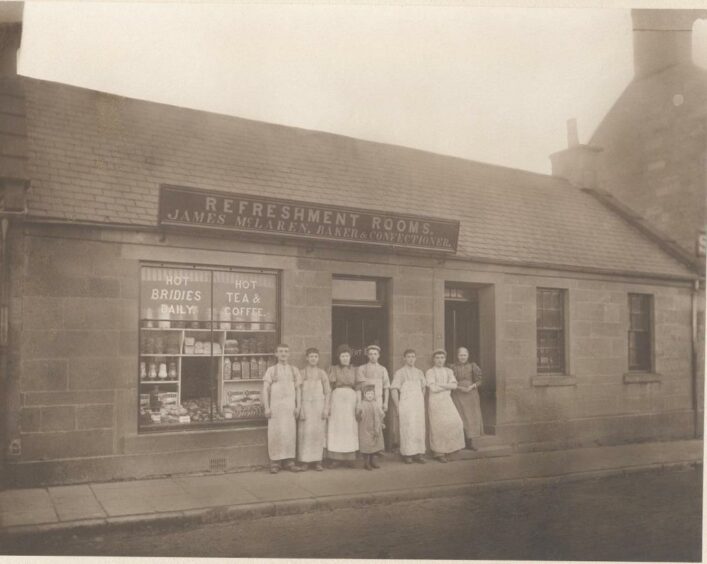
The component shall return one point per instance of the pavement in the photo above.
(230, 496)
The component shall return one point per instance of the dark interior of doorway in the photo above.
(359, 327)
(463, 327)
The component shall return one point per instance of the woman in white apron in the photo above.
(408, 389)
(446, 427)
(342, 431)
(311, 431)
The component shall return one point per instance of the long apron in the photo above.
(412, 419)
(446, 428)
(282, 428)
(469, 407)
(342, 432)
(311, 433)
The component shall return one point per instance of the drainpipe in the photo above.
(4, 325)
(694, 358)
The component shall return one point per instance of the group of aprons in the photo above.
(339, 436)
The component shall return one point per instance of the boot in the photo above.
(367, 462)
(374, 463)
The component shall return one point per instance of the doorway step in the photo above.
(487, 446)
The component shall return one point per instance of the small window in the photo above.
(360, 290)
(551, 330)
(640, 333)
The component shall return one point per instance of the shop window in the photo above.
(207, 336)
(551, 330)
(640, 333)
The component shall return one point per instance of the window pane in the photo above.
(347, 289)
(203, 354)
(640, 332)
(550, 327)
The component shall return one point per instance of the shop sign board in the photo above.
(242, 213)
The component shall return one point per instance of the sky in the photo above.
(489, 84)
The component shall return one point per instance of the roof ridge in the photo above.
(549, 177)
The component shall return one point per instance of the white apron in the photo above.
(282, 427)
(311, 432)
(342, 433)
(412, 419)
(446, 427)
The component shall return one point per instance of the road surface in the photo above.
(646, 516)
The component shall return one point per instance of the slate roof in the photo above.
(101, 158)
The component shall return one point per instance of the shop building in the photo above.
(155, 254)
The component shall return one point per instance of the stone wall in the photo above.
(73, 399)
(597, 383)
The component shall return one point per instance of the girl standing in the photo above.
(466, 396)
(311, 432)
(370, 427)
(446, 427)
(281, 400)
(408, 390)
(342, 432)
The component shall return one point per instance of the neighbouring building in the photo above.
(153, 256)
(653, 166)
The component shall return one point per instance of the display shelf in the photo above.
(225, 386)
(233, 380)
(247, 354)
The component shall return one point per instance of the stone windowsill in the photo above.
(545, 380)
(641, 377)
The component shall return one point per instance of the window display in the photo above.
(207, 336)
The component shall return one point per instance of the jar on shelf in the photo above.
(143, 371)
(152, 371)
(236, 372)
(162, 374)
(262, 366)
(225, 317)
(245, 369)
(195, 318)
(163, 318)
(227, 368)
(254, 368)
(172, 370)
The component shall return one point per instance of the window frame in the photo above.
(648, 365)
(208, 425)
(562, 330)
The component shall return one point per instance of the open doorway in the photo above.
(469, 322)
(359, 317)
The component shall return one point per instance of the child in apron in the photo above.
(446, 427)
(370, 427)
(314, 412)
(281, 400)
(408, 391)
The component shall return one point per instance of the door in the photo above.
(359, 327)
(461, 328)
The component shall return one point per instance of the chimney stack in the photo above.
(578, 163)
(662, 38)
(10, 36)
(14, 180)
